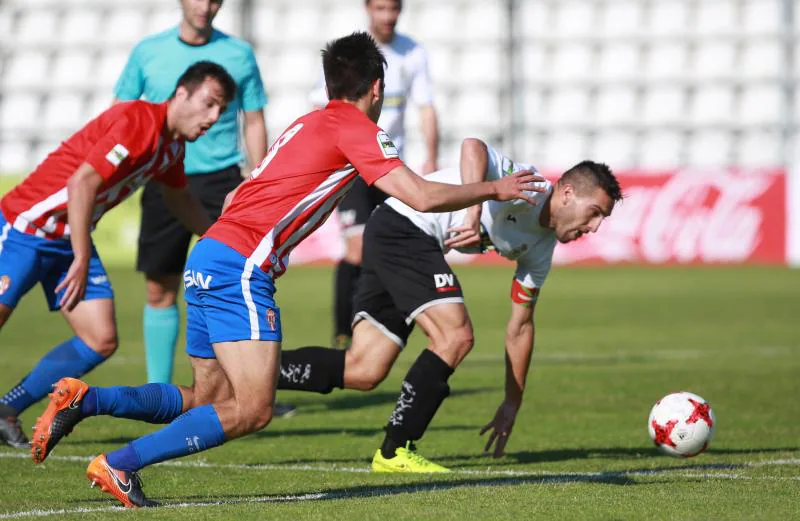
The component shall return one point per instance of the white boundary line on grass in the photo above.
(522, 477)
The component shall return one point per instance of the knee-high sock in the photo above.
(344, 288)
(424, 389)
(152, 403)
(71, 358)
(161, 327)
(312, 369)
(195, 430)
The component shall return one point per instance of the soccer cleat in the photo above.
(406, 459)
(283, 410)
(11, 433)
(62, 414)
(125, 486)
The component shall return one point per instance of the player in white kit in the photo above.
(407, 80)
(406, 280)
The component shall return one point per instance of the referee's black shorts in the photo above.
(403, 273)
(163, 241)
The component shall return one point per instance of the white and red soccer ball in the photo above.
(681, 424)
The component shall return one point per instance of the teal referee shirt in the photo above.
(153, 70)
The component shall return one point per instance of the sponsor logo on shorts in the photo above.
(195, 278)
(387, 147)
(272, 319)
(99, 279)
(5, 283)
(445, 282)
(117, 154)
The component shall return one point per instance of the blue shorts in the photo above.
(26, 259)
(228, 299)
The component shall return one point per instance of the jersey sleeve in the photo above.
(119, 147)
(500, 166)
(369, 149)
(251, 88)
(175, 177)
(130, 84)
(529, 278)
(421, 84)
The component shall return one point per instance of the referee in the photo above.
(212, 162)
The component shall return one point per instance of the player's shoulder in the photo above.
(404, 43)
(233, 43)
(155, 42)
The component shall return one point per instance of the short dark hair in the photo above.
(197, 73)
(588, 174)
(352, 64)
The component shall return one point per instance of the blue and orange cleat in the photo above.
(125, 486)
(62, 414)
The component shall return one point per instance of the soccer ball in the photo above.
(681, 424)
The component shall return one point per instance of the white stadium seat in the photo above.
(437, 21)
(761, 105)
(715, 17)
(667, 18)
(124, 26)
(710, 149)
(109, 67)
(574, 18)
(661, 150)
(534, 19)
(441, 62)
(534, 58)
(763, 16)
(301, 24)
(760, 150)
(665, 60)
(564, 149)
(227, 20)
(615, 148)
(63, 113)
(485, 21)
(713, 104)
(80, 25)
(622, 17)
(714, 58)
(37, 26)
(762, 59)
(98, 103)
(481, 65)
(266, 23)
(534, 106)
(27, 69)
(619, 60)
(568, 105)
(344, 18)
(19, 112)
(616, 106)
(291, 68)
(572, 61)
(41, 151)
(663, 105)
(285, 107)
(163, 18)
(72, 68)
(14, 157)
(476, 108)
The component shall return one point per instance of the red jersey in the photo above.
(305, 174)
(127, 144)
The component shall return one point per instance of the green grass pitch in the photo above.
(610, 342)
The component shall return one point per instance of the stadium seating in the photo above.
(655, 84)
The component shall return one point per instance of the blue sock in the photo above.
(71, 358)
(195, 430)
(161, 326)
(153, 403)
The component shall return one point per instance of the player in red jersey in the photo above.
(46, 221)
(233, 324)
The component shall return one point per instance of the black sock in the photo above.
(313, 369)
(344, 288)
(424, 389)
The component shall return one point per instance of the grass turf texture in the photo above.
(610, 342)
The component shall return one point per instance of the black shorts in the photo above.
(357, 205)
(403, 273)
(163, 240)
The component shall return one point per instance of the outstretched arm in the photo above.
(519, 349)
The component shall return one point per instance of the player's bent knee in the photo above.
(5, 313)
(103, 342)
(257, 418)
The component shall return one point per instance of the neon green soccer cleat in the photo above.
(406, 459)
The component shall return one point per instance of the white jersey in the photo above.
(406, 79)
(511, 227)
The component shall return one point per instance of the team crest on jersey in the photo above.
(117, 154)
(387, 147)
(5, 283)
(272, 319)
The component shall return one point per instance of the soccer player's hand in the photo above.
(501, 427)
(469, 233)
(515, 185)
(74, 284)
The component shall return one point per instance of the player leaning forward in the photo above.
(46, 221)
(233, 327)
(406, 280)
